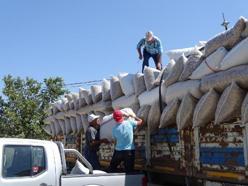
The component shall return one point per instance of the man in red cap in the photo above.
(124, 139)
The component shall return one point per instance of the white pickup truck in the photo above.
(25, 162)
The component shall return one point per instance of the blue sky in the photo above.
(83, 40)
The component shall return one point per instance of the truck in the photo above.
(28, 162)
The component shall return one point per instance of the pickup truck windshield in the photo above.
(21, 160)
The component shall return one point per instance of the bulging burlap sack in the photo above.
(193, 62)
(96, 92)
(86, 95)
(180, 89)
(186, 111)
(106, 90)
(154, 117)
(139, 84)
(47, 129)
(67, 125)
(176, 71)
(237, 56)
(205, 109)
(244, 109)
(169, 114)
(115, 88)
(220, 80)
(126, 81)
(82, 102)
(143, 113)
(226, 39)
(209, 65)
(229, 105)
(150, 75)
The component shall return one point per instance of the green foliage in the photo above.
(23, 108)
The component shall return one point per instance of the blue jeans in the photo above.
(92, 157)
(155, 57)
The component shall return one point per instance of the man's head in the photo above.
(94, 120)
(149, 36)
(118, 116)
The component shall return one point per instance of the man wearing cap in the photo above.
(93, 141)
(124, 141)
(152, 48)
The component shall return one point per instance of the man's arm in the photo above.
(139, 45)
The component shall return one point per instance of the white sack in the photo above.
(139, 84)
(148, 97)
(115, 88)
(176, 71)
(180, 89)
(96, 92)
(150, 75)
(58, 129)
(244, 34)
(85, 122)
(205, 109)
(154, 117)
(210, 65)
(126, 81)
(237, 56)
(177, 53)
(193, 62)
(169, 114)
(220, 80)
(226, 39)
(229, 105)
(185, 112)
(106, 90)
(86, 95)
(143, 113)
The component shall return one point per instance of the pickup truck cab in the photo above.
(25, 162)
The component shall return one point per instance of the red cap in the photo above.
(117, 115)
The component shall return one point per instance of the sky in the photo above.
(85, 40)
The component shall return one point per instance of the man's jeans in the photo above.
(127, 156)
(147, 56)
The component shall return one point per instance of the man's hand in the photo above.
(140, 57)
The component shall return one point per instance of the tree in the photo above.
(23, 109)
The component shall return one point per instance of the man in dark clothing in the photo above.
(152, 47)
(93, 141)
(124, 141)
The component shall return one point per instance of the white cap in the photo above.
(92, 117)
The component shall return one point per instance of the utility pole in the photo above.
(225, 23)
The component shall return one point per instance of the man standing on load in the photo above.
(93, 141)
(152, 48)
(124, 141)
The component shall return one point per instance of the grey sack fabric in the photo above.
(205, 109)
(154, 117)
(186, 111)
(193, 62)
(229, 105)
(150, 75)
(220, 80)
(139, 84)
(226, 39)
(169, 114)
(115, 88)
(176, 71)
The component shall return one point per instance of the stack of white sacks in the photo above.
(203, 84)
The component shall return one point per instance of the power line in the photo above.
(77, 84)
